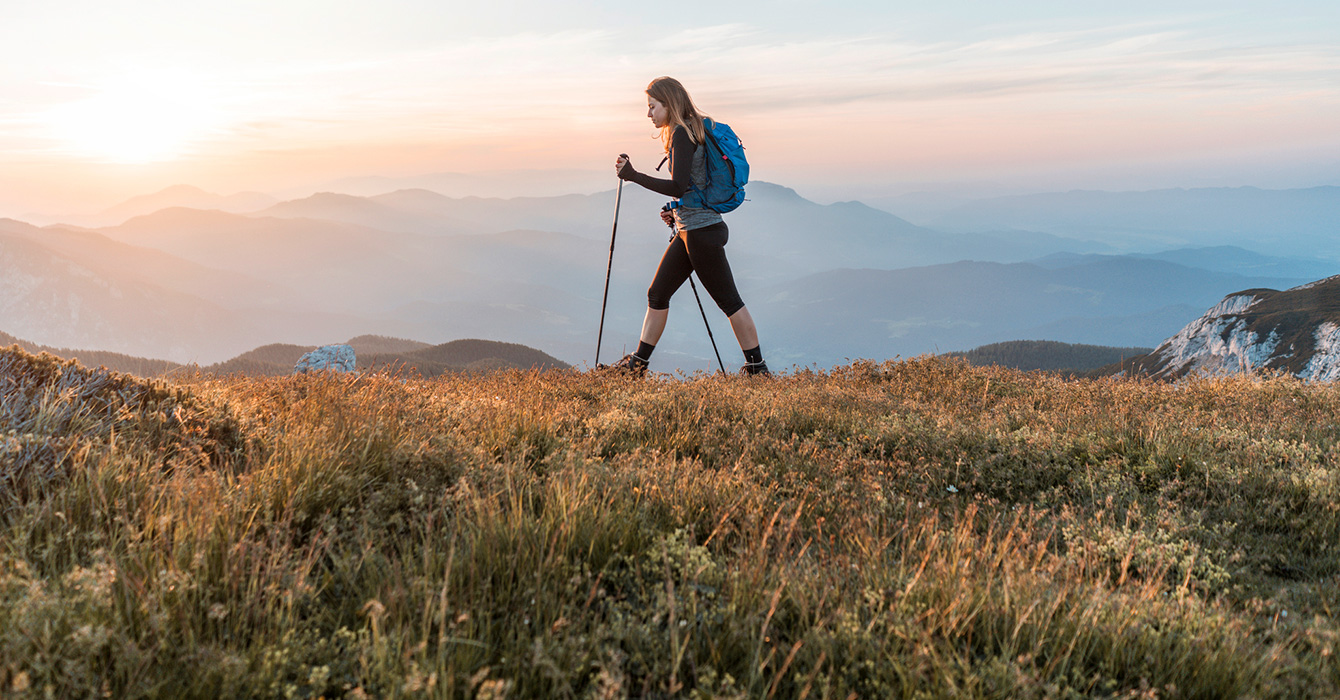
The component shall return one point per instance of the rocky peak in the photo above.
(1296, 330)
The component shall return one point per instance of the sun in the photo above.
(140, 118)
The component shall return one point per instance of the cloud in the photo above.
(753, 70)
(507, 91)
(1146, 66)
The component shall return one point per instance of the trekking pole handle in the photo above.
(670, 206)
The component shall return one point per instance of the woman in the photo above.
(700, 234)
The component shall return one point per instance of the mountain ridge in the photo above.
(1047, 355)
(1296, 331)
(1296, 221)
(373, 353)
(961, 305)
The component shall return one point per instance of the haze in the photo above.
(104, 101)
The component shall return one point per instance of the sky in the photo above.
(102, 101)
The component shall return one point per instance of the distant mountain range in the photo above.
(1296, 331)
(1223, 258)
(856, 313)
(175, 196)
(826, 282)
(1297, 222)
(499, 183)
(372, 352)
(185, 196)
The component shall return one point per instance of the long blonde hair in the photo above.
(679, 108)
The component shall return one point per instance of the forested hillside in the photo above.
(1047, 355)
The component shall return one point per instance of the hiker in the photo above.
(700, 238)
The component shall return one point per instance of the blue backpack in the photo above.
(727, 171)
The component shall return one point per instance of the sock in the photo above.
(753, 355)
(644, 350)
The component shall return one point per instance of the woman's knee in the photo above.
(721, 287)
(657, 299)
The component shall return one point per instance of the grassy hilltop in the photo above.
(920, 528)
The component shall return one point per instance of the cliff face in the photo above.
(1296, 330)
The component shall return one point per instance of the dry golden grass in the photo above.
(906, 529)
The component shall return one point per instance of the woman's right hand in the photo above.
(668, 217)
(623, 168)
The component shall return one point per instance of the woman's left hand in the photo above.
(623, 167)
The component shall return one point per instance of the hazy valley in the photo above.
(192, 277)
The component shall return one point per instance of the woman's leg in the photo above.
(707, 250)
(653, 325)
(670, 275)
(743, 325)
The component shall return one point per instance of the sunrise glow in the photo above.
(135, 119)
(861, 99)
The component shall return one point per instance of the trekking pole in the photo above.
(705, 323)
(618, 194)
(699, 299)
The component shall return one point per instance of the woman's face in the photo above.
(656, 112)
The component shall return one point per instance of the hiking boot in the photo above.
(629, 364)
(759, 367)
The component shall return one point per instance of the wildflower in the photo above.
(951, 489)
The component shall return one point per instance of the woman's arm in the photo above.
(681, 165)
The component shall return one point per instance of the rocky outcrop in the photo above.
(337, 357)
(1296, 331)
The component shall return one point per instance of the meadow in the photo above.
(917, 528)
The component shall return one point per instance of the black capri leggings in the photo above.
(701, 250)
